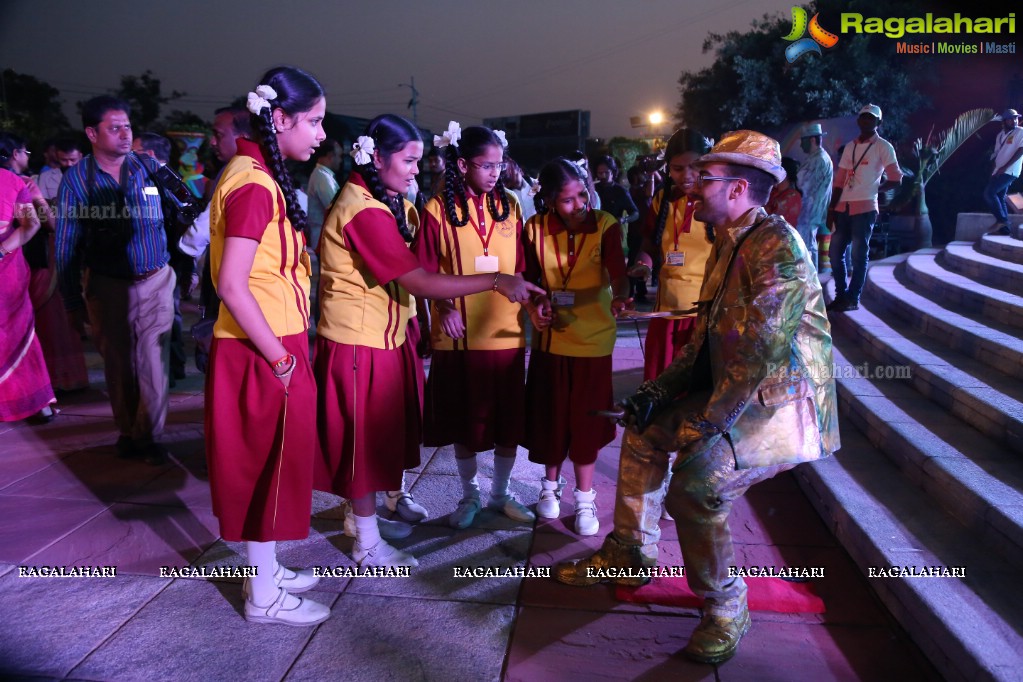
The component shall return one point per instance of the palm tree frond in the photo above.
(932, 157)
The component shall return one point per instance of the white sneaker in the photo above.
(586, 522)
(512, 508)
(466, 512)
(304, 613)
(406, 506)
(382, 554)
(549, 506)
(389, 530)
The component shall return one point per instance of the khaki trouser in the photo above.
(131, 323)
(699, 497)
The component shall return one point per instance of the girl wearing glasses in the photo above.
(369, 418)
(682, 244)
(575, 252)
(475, 395)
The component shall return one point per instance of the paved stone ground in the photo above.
(67, 500)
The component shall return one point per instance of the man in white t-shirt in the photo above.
(858, 179)
(1008, 158)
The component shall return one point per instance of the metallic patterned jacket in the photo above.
(768, 344)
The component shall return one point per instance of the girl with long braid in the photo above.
(370, 424)
(475, 395)
(260, 391)
(682, 244)
(576, 253)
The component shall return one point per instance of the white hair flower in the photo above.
(499, 134)
(362, 150)
(534, 188)
(451, 136)
(260, 99)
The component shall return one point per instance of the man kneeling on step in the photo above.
(759, 396)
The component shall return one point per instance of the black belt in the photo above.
(143, 276)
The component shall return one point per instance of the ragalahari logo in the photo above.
(803, 46)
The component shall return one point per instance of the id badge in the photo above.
(563, 299)
(675, 258)
(486, 263)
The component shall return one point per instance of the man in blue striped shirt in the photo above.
(112, 246)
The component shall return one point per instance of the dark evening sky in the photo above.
(617, 58)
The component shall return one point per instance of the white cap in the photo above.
(873, 110)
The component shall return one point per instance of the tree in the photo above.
(752, 85)
(930, 155)
(144, 95)
(30, 107)
(184, 120)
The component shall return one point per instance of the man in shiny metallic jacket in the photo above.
(751, 396)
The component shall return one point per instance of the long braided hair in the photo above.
(297, 92)
(473, 143)
(682, 140)
(554, 175)
(390, 134)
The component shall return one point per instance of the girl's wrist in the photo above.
(284, 367)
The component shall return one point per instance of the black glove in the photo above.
(641, 406)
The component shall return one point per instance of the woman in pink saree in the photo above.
(25, 389)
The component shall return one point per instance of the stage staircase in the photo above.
(930, 474)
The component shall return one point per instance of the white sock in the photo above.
(262, 588)
(467, 472)
(502, 475)
(367, 532)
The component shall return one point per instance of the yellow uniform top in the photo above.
(582, 264)
(248, 203)
(361, 256)
(678, 285)
(491, 321)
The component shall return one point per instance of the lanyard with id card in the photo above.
(674, 257)
(565, 298)
(486, 262)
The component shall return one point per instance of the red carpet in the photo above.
(765, 594)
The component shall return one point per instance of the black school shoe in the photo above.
(838, 302)
(153, 454)
(843, 305)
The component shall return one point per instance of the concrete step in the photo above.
(935, 481)
(972, 226)
(993, 343)
(963, 258)
(1005, 248)
(978, 395)
(971, 476)
(923, 270)
(969, 627)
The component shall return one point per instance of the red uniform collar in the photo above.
(251, 149)
(556, 225)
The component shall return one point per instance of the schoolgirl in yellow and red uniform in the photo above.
(575, 252)
(369, 417)
(683, 245)
(475, 395)
(260, 391)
